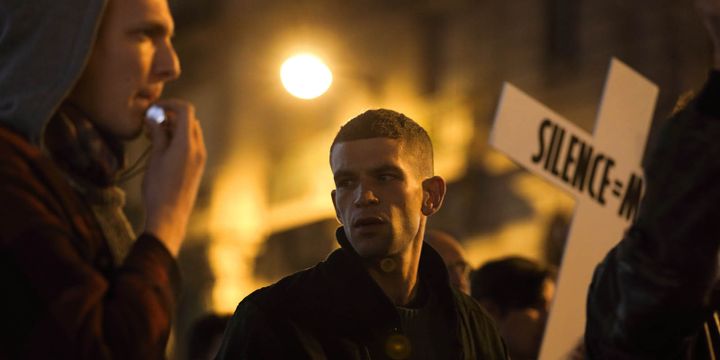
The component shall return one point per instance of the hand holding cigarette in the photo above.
(174, 171)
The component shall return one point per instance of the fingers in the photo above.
(174, 171)
(179, 139)
(198, 135)
(182, 132)
(181, 120)
(158, 135)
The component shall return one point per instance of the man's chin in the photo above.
(122, 134)
(370, 247)
(135, 134)
(128, 134)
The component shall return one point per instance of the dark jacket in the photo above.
(62, 296)
(335, 310)
(653, 296)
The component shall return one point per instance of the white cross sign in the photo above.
(603, 171)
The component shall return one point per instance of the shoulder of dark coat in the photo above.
(291, 291)
(470, 305)
(479, 328)
(474, 315)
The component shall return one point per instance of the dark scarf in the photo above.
(92, 162)
(82, 151)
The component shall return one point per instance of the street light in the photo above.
(305, 76)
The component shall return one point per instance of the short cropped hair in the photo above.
(510, 283)
(384, 123)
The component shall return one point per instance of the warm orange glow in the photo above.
(523, 237)
(237, 229)
(305, 76)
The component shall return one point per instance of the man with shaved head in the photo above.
(384, 294)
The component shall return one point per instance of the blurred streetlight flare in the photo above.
(305, 76)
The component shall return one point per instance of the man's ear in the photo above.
(337, 213)
(433, 194)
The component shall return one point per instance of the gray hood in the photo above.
(44, 46)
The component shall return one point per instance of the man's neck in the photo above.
(397, 275)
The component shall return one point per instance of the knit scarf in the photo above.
(92, 162)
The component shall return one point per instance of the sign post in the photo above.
(603, 171)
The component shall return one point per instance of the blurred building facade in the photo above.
(265, 211)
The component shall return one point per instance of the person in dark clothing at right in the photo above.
(655, 295)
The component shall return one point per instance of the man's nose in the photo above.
(365, 196)
(167, 64)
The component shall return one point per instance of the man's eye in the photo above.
(387, 177)
(147, 34)
(343, 183)
(141, 36)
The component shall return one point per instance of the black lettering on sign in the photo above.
(556, 153)
(569, 158)
(631, 200)
(598, 158)
(573, 161)
(553, 146)
(586, 153)
(605, 180)
(577, 164)
(541, 140)
(617, 188)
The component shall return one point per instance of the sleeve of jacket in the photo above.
(651, 293)
(479, 336)
(63, 306)
(251, 335)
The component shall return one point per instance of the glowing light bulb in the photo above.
(305, 76)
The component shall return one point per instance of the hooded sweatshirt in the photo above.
(44, 46)
(77, 284)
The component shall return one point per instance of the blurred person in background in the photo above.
(453, 255)
(517, 293)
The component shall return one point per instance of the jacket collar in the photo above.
(431, 267)
(342, 297)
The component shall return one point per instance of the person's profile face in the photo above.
(453, 256)
(130, 62)
(378, 195)
(523, 328)
(459, 273)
